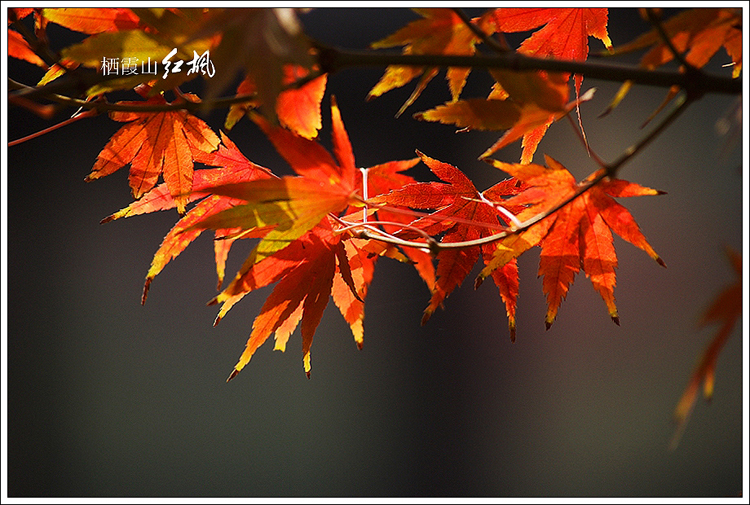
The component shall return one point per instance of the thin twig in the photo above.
(608, 170)
(653, 18)
(76, 117)
(102, 106)
(500, 47)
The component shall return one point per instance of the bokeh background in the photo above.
(110, 398)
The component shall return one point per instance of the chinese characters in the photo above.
(130, 66)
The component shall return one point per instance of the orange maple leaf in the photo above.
(575, 237)
(306, 273)
(93, 21)
(296, 109)
(293, 205)
(565, 34)
(441, 31)
(156, 143)
(537, 101)
(233, 168)
(302, 251)
(726, 309)
(697, 34)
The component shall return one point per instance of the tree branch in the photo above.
(333, 60)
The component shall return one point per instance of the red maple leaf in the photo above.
(293, 205)
(461, 213)
(306, 273)
(564, 36)
(575, 237)
(154, 144)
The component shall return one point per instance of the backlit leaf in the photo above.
(575, 237)
(93, 20)
(154, 144)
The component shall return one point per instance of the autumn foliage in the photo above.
(320, 232)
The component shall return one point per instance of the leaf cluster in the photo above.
(321, 231)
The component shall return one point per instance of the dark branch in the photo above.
(334, 59)
(75, 83)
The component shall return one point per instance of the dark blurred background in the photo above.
(110, 398)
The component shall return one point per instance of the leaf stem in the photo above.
(585, 143)
(608, 170)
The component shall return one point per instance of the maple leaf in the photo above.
(537, 102)
(233, 167)
(293, 205)
(565, 33)
(564, 36)
(302, 251)
(575, 237)
(441, 31)
(380, 180)
(93, 21)
(461, 214)
(306, 273)
(156, 143)
(726, 309)
(698, 34)
(296, 109)
(320, 264)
